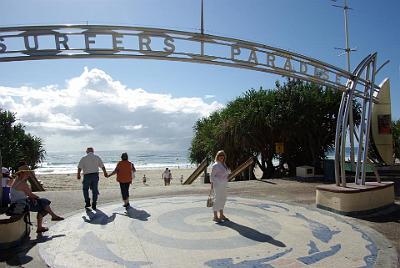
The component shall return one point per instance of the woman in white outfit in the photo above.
(219, 182)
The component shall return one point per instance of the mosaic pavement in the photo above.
(178, 232)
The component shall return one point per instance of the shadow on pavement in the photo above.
(270, 182)
(92, 245)
(98, 218)
(19, 255)
(252, 234)
(138, 214)
(44, 238)
(392, 214)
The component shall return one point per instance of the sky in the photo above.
(149, 105)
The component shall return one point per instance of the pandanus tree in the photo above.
(256, 132)
(205, 141)
(306, 122)
(234, 133)
(16, 145)
(300, 115)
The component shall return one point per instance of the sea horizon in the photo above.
(67, 162)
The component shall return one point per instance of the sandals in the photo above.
(221, 219)
(57, 218)
(42, 230)
(217, 220)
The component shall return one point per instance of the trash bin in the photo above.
(329, 170)
(207, 178)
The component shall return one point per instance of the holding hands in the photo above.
(107, 175)
(105, 172)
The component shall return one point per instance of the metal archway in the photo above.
(102, 41)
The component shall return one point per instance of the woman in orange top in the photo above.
(124, 171)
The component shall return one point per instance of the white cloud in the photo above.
(94, 109)
(135, 127)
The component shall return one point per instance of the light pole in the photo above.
(202, 18)
(348, 50)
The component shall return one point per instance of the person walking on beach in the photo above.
(20, 192)
(219, 182)
(124, 171)
(144, 179)
(90, 165)
(166, 175)
(169, 177)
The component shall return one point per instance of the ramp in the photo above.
(203, 165)
(240, 168)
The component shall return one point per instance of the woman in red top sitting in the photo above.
(124, 171)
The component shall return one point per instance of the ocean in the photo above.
(67, 162)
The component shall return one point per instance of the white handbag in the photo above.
(210, 199)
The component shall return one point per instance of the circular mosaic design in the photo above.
(179, 232)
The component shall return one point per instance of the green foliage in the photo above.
(247, 131)
(305, 119)
(205, 138)
(396, 138)
(301, 115)
(17, 145)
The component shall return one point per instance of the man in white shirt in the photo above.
(90, 165)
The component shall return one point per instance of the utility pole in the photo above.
(202, 18)
(348, 50)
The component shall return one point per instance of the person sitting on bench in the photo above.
(5, 184)
(21, 193)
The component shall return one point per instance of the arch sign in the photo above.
(102, 41)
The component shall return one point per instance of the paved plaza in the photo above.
(179, 232)
(273, 223)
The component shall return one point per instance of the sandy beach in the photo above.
(61, 182)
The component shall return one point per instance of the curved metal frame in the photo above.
(203, 49)
(367, 68)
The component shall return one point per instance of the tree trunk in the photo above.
(270, 168)
(262, 167)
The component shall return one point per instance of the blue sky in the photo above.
(309, 27)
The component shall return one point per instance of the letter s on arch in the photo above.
(3, 47)
(169, 44)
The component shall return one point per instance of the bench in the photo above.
(13, 229)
